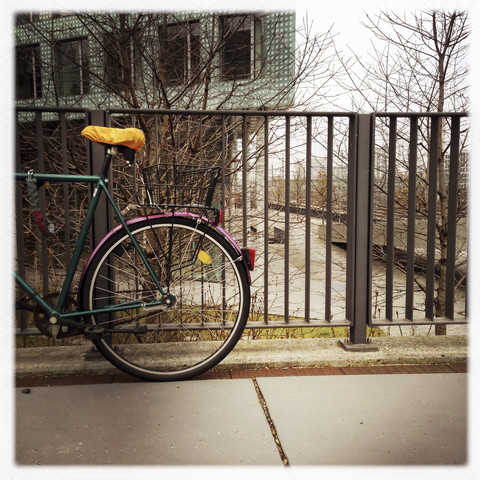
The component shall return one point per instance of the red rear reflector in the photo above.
(251, 253)
(248, 255)
(220, 216)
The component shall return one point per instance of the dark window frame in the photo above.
(242, 51)
(180, 51)
(26, 18)
(71, 65)
(28, 81)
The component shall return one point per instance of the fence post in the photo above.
(361, 255)
(102, 220)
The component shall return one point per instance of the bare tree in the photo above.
(419, 64)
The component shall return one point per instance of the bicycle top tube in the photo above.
(59, 177)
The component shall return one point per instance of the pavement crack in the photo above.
(269, 419)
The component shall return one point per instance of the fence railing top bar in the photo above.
(419, 114)
(53, 109)
(251, 113)
(233, 113)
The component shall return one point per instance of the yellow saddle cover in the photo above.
(129, 137)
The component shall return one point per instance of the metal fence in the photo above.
(350, 215)
(423, 161)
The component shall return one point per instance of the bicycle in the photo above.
(163, 296)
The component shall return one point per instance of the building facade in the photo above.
(178, 61)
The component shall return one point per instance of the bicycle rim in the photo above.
(195, 264)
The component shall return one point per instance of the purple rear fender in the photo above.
(136, 220)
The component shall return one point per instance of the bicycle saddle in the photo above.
(127, 137)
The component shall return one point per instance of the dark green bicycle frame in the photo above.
(100, 183)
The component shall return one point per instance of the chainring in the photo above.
(42, 322)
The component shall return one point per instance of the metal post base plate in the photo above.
(358, 347)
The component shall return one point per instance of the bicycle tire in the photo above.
(208, 278)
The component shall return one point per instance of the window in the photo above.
(115, 72)
(57, 15)
(28, 76)
(180, 51)
(242, 49)
(72, 67)
(24, 18)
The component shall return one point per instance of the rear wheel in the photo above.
(200, 270)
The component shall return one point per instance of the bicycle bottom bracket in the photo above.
(170, 299)
(42, 320)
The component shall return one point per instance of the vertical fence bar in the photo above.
(351, 217)
(328, 236)
(103, 216)
(102, 220)
(41, 168)
(308, 226)
(66, 188)
(392, 154)
(223, 157)
(200, 130)
(452, 218)
(265, 219)
(20, 257)
(287, 220)
(432, 220)
(412, 199)
(157, 160)
(362, 244)
(244, 177)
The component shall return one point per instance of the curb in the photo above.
(264, 354)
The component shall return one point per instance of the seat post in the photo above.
(111, 152)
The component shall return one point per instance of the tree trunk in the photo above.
(442, 223)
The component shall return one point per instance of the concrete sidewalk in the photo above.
(336, 420)
(297, 421)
